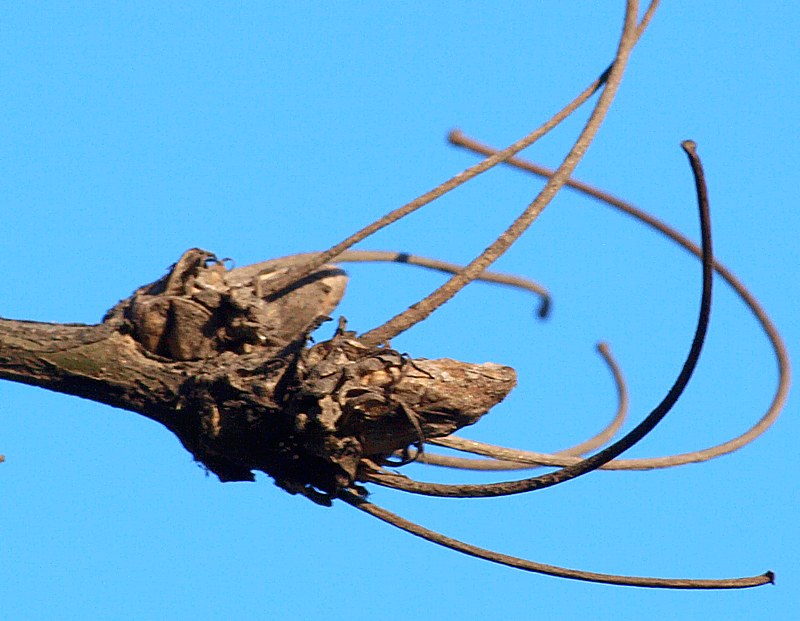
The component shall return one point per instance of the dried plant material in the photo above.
(224, 359)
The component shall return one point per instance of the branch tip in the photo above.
(545, 307)
(454, 135)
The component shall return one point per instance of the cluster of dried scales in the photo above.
(220, 357)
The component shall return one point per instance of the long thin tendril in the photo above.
(551, 570)
(510, 280)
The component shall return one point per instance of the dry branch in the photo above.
(222, 358)
(228, 371)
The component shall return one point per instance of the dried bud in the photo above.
(353, 402)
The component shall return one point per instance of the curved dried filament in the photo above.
(420, 310)
(551, 570)
(647, 463)
(330, 255)
(632, 437)
(579, 449)
(374, 256)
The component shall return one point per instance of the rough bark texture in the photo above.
(228, 370)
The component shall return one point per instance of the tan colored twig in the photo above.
(511, 280)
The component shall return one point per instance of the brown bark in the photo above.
(227, 369)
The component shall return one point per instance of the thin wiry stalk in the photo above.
(422, 309)
(374, 256)
(541, 568)
(591, 444)
(279, 284)
(646, 463)
(633, 436)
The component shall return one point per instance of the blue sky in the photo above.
(132, 132)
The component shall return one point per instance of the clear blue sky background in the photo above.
(133, 131)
